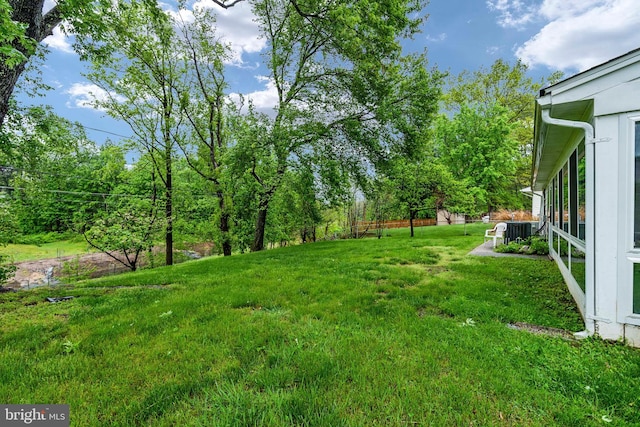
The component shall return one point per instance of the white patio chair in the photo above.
(496, 233)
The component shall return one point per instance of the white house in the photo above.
(587, 166)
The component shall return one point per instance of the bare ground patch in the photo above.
(65, 269)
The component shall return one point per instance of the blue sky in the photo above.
(548, 35)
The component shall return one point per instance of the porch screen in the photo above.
(636, 234)
(636, 219)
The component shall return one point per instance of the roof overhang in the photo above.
(605, 89)
(554, 143)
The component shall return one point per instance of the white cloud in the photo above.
(513, 13)
(264, 100)
(439, 38)
(235, 26)
(85, 95)
(493, 50)
(58, 41)
(580, 34)
(554, 9)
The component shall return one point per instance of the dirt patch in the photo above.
(59, 270)
(542, 330)
(43, 272)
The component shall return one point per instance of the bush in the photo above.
(530, 246)
(511, 248)
(6, 270)
(538, 246)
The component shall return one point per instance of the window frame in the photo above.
(629, 124)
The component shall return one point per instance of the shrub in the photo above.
(538, 246)
(511, 248)
(530, 246)
(73, 270)
(6, 270)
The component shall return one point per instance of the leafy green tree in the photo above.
(509, 86)
(48, 164)
(196, 208)
(477, 148)
(333, 67)
(129, 222)
(427, 185)
(296, 209)
(205, 139)
(126, 232)
(135, 63)
(23, 25)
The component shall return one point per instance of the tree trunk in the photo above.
(38, 27)
(261, 222)
(224, 225)
(411, 215)
(8, 79)
(168, 238)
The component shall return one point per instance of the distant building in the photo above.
(587, 166)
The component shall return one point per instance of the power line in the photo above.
(76, 193)
(103, 131)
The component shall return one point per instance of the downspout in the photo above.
(590, 150)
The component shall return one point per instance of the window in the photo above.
(582, 193)
(566, 207)
(554, 202)
(567, 202)
(636, 288)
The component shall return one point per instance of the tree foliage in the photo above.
(352, 110)
(125, 232)
(334, 68)
(24, 24)
(509, 87)
(477, 148)
(134, 62)
(50, 170)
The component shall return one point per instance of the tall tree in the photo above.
(136, 65)
(24, 24)
(201, 90)
(333, 66)
(477, 147)
(509, 86)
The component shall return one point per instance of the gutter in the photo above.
(589, 141)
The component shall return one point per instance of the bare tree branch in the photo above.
(223, 3)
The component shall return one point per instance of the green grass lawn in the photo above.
(393, 332)
(19, 253)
